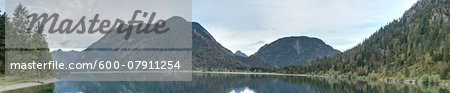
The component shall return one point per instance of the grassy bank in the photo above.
(3, 82)
(10, 80)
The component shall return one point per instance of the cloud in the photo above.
(256, 43)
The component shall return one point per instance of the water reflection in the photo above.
(242, 90)
(66, 87)
(226, 83)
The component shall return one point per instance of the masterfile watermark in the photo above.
(65, 26)
(99, 65)
(34, 65)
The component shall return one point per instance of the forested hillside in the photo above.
(414, 46)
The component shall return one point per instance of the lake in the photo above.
(240, 83)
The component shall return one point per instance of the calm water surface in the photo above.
(235, 83)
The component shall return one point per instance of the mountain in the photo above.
(143, 46)
(239, 53)
(413, 46)
(296, 50)
(64, 56)
(206, 51)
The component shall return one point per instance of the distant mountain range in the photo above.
(239, 53)
(64, 56)
(206, 51)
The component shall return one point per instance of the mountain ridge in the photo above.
(295, 50)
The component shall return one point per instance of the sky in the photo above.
(2, 5)
(247, 25)
(244, 25)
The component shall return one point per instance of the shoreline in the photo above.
(47, 81)
(309, 75)
(26, 84)
(395, 80)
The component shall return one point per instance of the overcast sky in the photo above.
(249, 24)
(2, 5)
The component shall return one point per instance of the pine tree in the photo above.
(24, 46)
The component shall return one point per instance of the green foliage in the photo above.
(445, 73)
(425, 78)
(434, 78)
(2, 43)
(430, 78)
(23, 46)
(373, 75)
